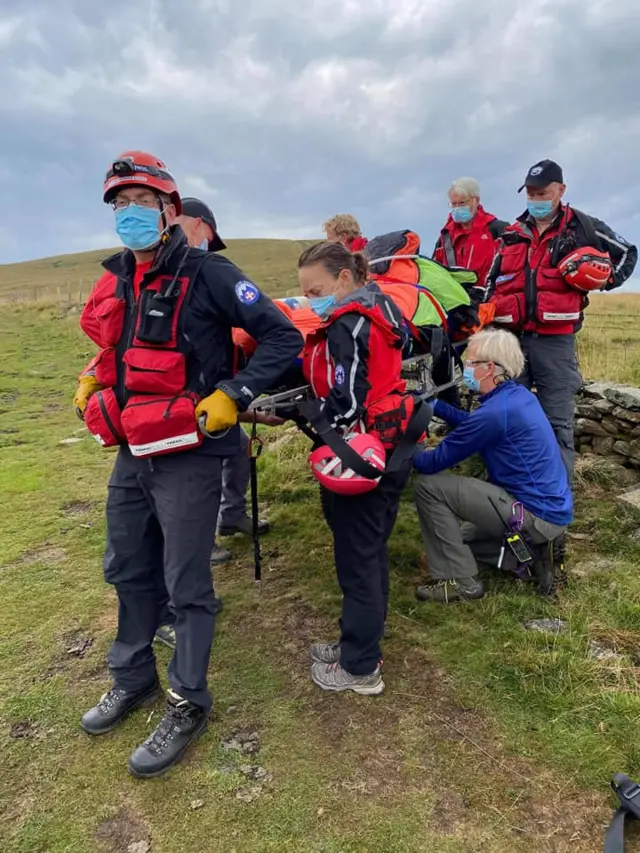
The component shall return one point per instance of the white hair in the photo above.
(466, 187)
(501, 347)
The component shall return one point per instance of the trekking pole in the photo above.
(255, 449)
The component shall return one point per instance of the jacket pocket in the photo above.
(110, 315)
(509, 309)
(102, 418)
(154, 371)
(160, 424)
(104, 367)
(559, 308)
(513, 260)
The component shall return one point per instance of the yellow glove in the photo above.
(87, 386)
(216, 412)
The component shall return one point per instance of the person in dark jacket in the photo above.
(470, 235)
(525, 471)
(162, 389)
(534, 299)
(353, 363)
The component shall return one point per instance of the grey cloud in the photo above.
(293, 111)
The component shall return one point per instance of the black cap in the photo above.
(542, 174)
(199, 210)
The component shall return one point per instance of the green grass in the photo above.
(488, 738)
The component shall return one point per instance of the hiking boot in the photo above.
(451, 590)
(182, 723)
(244, 525)
(167, 633)
(115, 705)
(325, 652)
(331, 676)
(220, 555)
(543, 569)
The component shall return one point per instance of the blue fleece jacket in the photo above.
(512, 434)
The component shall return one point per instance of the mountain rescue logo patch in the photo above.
(339, 377)
(247, 293)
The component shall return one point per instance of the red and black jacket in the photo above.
(525, 285)
(473, 248)
(210, 295)
(354, 360)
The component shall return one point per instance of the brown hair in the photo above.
(343, 225)
(335, 258)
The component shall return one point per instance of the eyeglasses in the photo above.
(464, 203)
(469, 363)
(145, 201)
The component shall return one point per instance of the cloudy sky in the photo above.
(279, 113)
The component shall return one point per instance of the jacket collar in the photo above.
(480, 220)
(166, 258)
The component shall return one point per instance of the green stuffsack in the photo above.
(449, 286)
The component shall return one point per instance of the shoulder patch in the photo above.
(339, 375)
(247, 293)
(621, 239)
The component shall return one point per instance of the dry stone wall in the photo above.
(608, 422)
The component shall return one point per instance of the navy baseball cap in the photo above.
(199, 210)
(542, 174)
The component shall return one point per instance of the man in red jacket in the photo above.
(345, 229)
(537, 296)
(469, 237)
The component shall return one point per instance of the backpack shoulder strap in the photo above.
(449, 252)
(496, 227)
(587, 226)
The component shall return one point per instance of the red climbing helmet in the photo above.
(332, 473)
(140, 169)
(587, 269)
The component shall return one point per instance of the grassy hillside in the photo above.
(271, 263)
(489, 739)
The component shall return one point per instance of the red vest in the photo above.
(530, 294)
(473, 248)
(145, 402)
(388, 408)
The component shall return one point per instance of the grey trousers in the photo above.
(236, 474)
(463, 520)
(552, 369)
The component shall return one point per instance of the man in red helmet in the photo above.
(537, 297)
(162, 388)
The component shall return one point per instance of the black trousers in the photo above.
(361, 527)
(161, 521)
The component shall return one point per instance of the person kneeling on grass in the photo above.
(527, 479)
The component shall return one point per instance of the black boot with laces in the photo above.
(182, 723)
(115, 705)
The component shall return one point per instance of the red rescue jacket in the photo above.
(357, 244)
(473, 248)
(353, 363)
(528, 291)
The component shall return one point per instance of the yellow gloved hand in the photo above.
(216, 412)
(87, 386)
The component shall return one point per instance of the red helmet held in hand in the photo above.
(587, 269)
(332, 473)
(140, 169)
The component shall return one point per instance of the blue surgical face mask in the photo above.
(138, 227)
(461, 214)
(469, 379)
(540, 209)
(321, 304)
(204, 246)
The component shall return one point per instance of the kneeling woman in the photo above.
(353, 363)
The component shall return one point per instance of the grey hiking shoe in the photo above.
(331, 676)
(325, 652)
(166, 634)
(244, 525)
(220, 555)
(451, 590)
